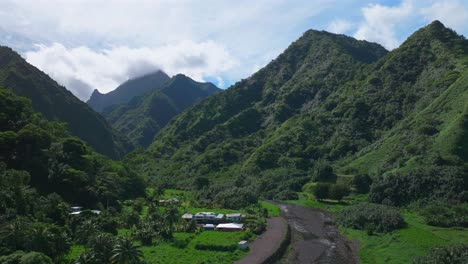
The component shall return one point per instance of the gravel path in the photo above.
(267, 243)
(315, 239)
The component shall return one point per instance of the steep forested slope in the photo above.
(54, 161)
(328, 98)
(126, 91)
(57, 103)
(144, 116)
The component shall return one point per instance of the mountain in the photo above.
(126, 91)
(58, 104)
(330, 99)
(144, 116)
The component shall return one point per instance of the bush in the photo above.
(321, 190)
(371, 217)
(433, 182)
(362, 183)
(323, 172)
(229, 248)
(448, 254)
(446, 215)
(35, 258)
(338, 191)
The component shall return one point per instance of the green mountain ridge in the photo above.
(142, 117)
(58, 104)
(326, 98)
(127, 90)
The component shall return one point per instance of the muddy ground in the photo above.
(315, 238)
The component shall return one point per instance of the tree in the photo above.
(126, 253)
(35, 258)
(338, 191)
(362, 183)
(101, 247)
(323, 172)
(321, 190)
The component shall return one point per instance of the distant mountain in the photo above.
(126, 91)
(331, 99)
(144, 116)
(57, 103)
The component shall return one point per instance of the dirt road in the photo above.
(267, 243)
(315, 239)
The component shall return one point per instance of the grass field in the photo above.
(182, 250)
(400, 246)
(272, 209)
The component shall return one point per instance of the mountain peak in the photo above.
(129, 89)
(435, 31)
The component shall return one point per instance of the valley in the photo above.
(336, 151)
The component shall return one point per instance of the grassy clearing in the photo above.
(403, 245)
(173, 252)
(75, 252)
(400, 246)
(272, 209)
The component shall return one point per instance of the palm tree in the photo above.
(85, 258)
(126, 253)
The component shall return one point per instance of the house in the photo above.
(208, 227)
(234, 217)
(230, 227)
(187, 217)
(205, 216)
(169, 201)
(76, 210)
(243, 245)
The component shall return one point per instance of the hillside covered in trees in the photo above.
(56, 103)
(143, 116)
(330, 103)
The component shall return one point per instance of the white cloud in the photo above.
(452, 13)
(81, 68)
(339, 26)
(380, 22)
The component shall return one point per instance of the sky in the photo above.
(86, 45)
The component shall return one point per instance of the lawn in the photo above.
(272, 209)
(180, 251)
(404, 244)
(400, 246)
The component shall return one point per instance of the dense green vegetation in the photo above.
(330, 105)
(56, 103)
(450, 254)
(43, 170)
(371, 217)
(127, 90)
(143, 116)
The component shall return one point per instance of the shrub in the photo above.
(321, 190)
(448, 254)
(362, 183)
(371, 217)
(229, 248)
(446, 215)
(338, 191)
(323, 172)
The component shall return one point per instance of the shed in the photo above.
(230, 227)
(243, 245)
(209, 227)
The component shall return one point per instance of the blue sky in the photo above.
(88, 45)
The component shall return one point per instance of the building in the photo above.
(234, 217)
(230, 227)
(187, 217)
(208, 217)
(208, 227)
(76, 210)
(169, 201)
